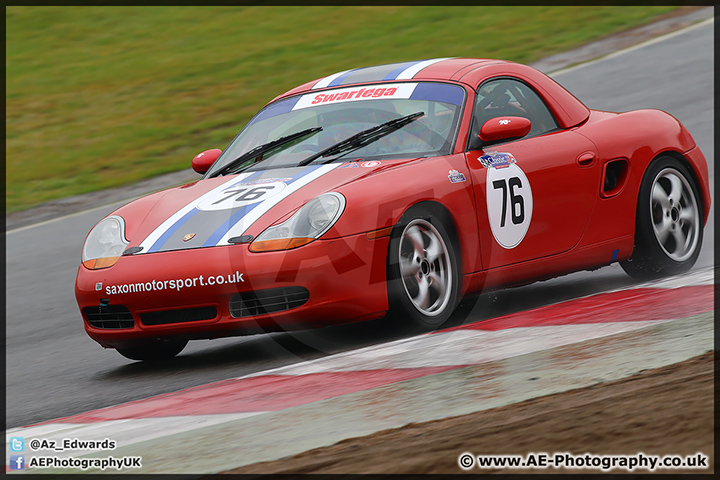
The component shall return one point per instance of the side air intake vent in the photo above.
(615, 174)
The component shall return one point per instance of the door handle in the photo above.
(586, 159)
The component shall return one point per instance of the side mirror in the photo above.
(504, 128)
(202, 161)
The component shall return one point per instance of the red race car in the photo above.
(397, 188)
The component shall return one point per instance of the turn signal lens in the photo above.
(101, 262)
(383, 232)
(281, 244)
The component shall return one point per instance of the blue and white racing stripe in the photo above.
(229, 209)
(413, 70)
(329, 79)
(393, 71)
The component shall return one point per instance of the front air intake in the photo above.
(182, 315)
(250, 304)
(108, 316)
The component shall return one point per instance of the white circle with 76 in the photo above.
(240, 195)
(509, 204)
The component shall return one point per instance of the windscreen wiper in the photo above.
(280, 144)
(363, 138)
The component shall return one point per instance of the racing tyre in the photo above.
(154, 351)
(668, 226)
(423, 272)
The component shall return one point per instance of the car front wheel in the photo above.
(423, 270)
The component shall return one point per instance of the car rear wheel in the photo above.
(668, 228)
(423, 270)
(154, 351)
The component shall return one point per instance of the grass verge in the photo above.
(99, 97)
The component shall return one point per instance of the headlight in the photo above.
(105, 243)
(310, 222)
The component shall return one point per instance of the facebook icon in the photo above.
(17, 462)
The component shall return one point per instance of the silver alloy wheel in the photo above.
(675, 215)
(425, 267)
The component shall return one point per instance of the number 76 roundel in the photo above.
(509, 203)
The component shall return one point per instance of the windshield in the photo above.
(342, 113)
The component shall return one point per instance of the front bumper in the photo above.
(344, 278)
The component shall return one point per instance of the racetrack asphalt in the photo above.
(55, 370)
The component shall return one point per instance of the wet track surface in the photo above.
(54, 369)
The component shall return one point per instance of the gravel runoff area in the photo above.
(623, 417)
(675, 20)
